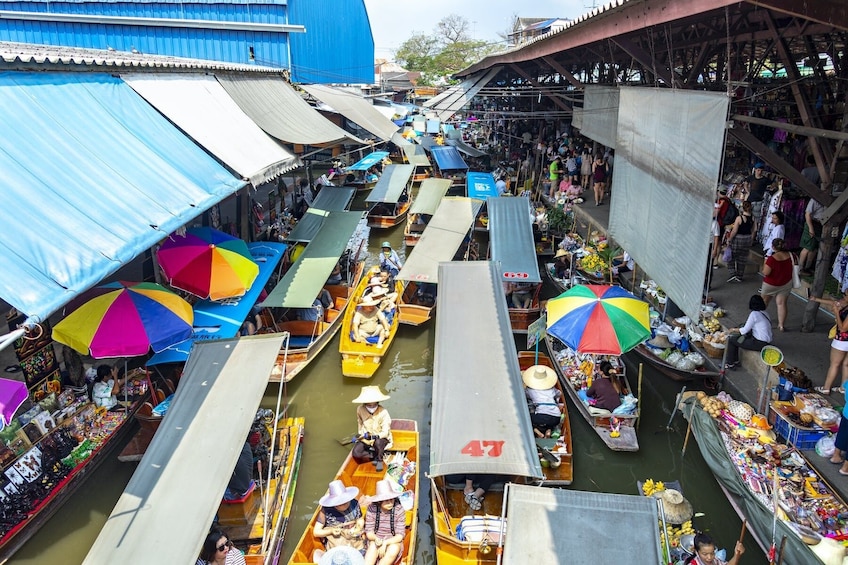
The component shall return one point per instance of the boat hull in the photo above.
(364, 477)
(384, 221)
(521, 318)
(411, 310)
(671, 372)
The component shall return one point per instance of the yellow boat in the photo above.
(364, 477)
(363, 359)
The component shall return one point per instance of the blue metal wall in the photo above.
(337, 47)
(324, 54)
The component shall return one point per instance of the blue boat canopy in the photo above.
(511, 236)
(115, 176)
(368, 161)
(480, 185)
(448, 158)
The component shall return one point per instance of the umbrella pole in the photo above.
(639, 397)
(126, 382)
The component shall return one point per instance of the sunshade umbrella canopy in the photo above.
(12, 395)
(604, 320)
(208, 263)
(124, 319)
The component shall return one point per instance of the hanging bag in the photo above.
(796, 272)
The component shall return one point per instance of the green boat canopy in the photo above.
(430, 193)
(330, 199)
(441, 238)
(511, 234)
(168, 505)
(391, 184)
(416, 155)
(480, 420)
(304, 280)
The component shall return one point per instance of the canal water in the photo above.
(323, 397)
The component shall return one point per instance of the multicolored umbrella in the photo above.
(124, 319)
(604, 320)
(208, 263)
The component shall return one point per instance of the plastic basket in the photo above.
(801, 438)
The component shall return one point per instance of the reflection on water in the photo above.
(323, 397)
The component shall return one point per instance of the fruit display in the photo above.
(712, 324)
(593, 263)
(650, 487)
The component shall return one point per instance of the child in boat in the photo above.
(340, 521)
(385, 526)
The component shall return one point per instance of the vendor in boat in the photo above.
(340, 521)
(544, 398)
(369, 321)
(604, 390)
(623, 263)
(705, 552)
(106, 387)
(218, 550)
(385, 525)
(389, 260)
(562, 264)
(520, 295)
(241, 481)
(373, 427)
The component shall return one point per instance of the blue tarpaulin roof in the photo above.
(368, 161)
(222, 320)
(480, 185)
(448, 158)
(92, 176)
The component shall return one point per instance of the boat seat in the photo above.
(298, 341)
(496, 487)
(599, 412)
(330, 314)
(339, 303)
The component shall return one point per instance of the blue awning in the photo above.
(91, 177)
(222, 320)
(448, 158)
(480, 185)
(368, 161)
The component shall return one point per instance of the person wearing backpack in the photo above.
(727, 210)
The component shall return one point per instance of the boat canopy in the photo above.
(416, 155)
(535, 532)
(442, 237)
(453, 99)
(330, 199)
(480, 420)
(223, 319)
(368, 161)
(463, 147)
(355, 108)
(399, 140)
(480, 185)
(448, 158)
(391, 184)
(511, 234)
(430, 193)
(172, 497)
(305, 278)
(427, 142)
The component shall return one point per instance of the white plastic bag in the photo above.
(825, 446)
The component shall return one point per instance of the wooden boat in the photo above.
(672, 372)
(521, 318)
(414, 308)
(601, 421)
(363, 359)
(384, 216)
(564, 473)
(364, 477)
(389, 198)
(308, 339)
(423, 208)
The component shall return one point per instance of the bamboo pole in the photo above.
(639, 397)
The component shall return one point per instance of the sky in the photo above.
(395, 21)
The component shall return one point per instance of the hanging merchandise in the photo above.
(840, 264)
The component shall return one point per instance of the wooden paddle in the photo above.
(347, 440)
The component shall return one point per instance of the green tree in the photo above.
(417, 53)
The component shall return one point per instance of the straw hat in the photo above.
(539, 377)
(676, 508)
(384, 492)
(661, 341)
(378, 291)
(338, 494)
(370, 394)
(342, 555)
(369, 300)
(560, 253)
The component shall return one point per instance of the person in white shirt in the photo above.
(754, 335)
(501, 186)
(106, 387)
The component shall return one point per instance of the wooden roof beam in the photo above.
(646, 60)
(559, 103)
(563, 72)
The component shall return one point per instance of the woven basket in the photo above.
(677, 324)
(712, 350)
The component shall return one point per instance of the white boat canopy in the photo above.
(416, 155)
(430, 194)
(355, 108)
(391, 184)
(190, 100)
(545, 524)
(172, 497)
(441, 239)
(511, 233)
(480, 420)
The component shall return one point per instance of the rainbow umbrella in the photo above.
(124, 319)
(208, 263)
(604, 320)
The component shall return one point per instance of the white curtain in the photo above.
(600, 114)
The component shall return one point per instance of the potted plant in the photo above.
(559, 221)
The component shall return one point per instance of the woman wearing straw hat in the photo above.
(374, 427)
(562, 264)
(369, 321)
(544, 398)
(340, 521)
(385, 526)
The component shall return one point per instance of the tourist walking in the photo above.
(739, 240)
(777, 280)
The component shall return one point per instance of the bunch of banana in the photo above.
(649, 487)
(712, 324)
(718, 313)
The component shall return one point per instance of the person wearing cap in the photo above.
(385, 525)
(369, 321)
(562, 264)
(544, 398)
(603, 390)
(389, 260)
(340, 521)
(374, 427)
